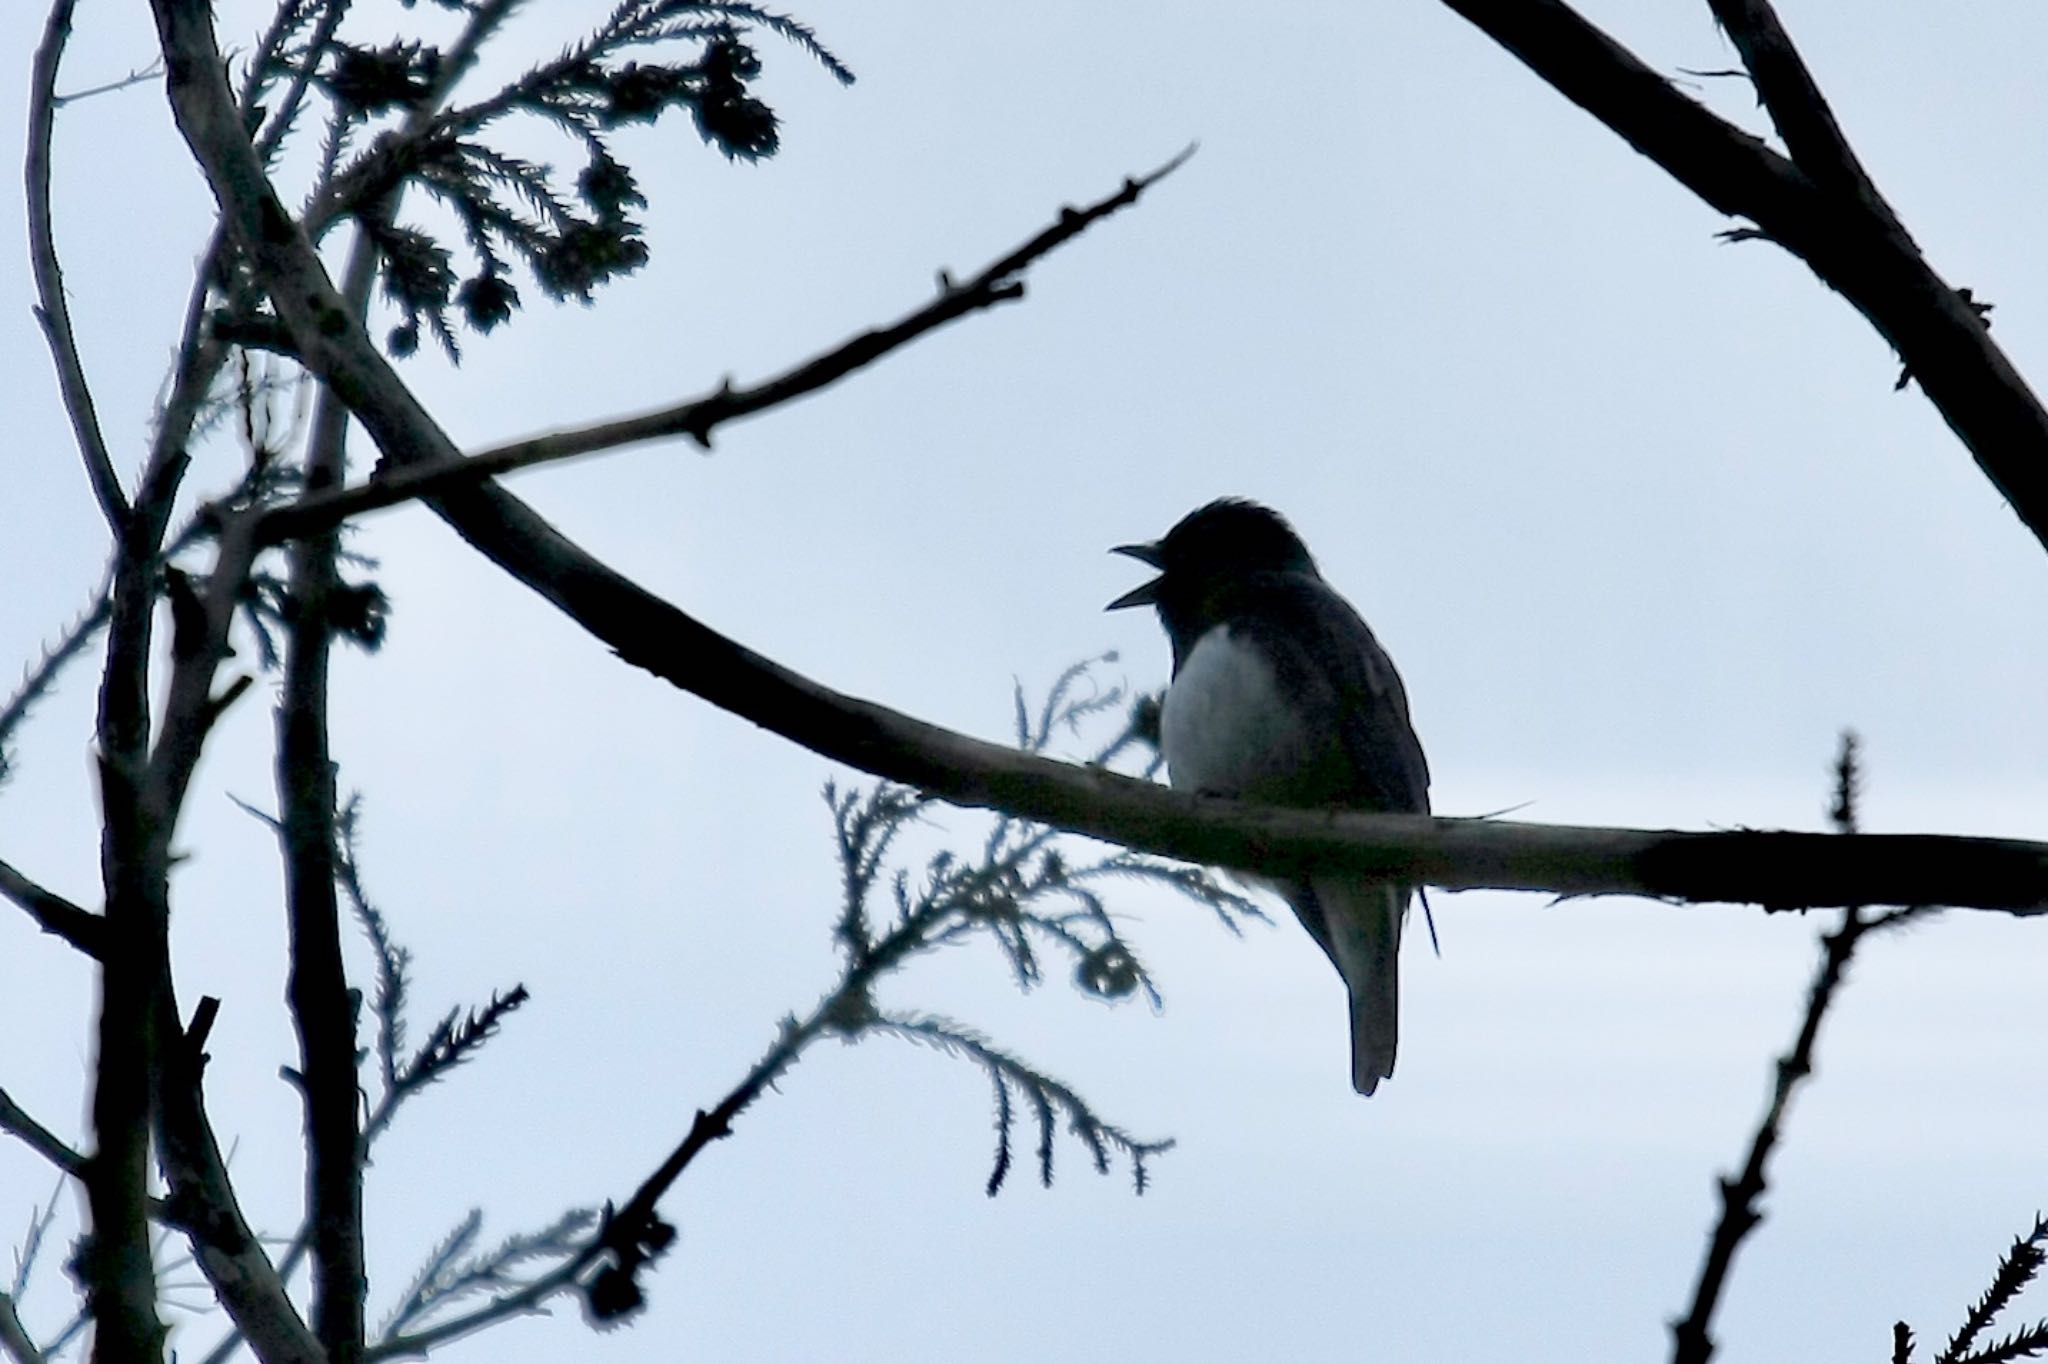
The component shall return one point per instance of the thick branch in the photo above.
(1782, 870)
(118, 1271)
(1870, 262)
(51, 309)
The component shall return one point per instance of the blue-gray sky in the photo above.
(1638, 515)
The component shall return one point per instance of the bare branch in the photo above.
(633, 1233)
(139, 76)
(53, 913)
(697, 418)
(323, 1007)
(202, 1200)
(15, 1121)
(51, 309)
(1692, 1339)
(14, 1340)
(1692, 1343)
(1788, 93)
(39, 678)
(118, 1270)
(1848, 239)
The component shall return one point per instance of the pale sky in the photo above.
(1637, 514)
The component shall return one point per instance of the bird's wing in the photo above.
(1327, 659)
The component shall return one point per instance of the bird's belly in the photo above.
(1227, 727)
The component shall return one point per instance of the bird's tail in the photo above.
(1364, 922)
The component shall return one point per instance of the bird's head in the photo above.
(1226, 540)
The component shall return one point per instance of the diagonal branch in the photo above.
(1776, 869)
(1860, 253)
(16, 1121)
(202, 1201)
(54, 914)
(41, 676)
(1798, 109)
(14, 1340)
(51, 310)
(633, 1234)
(995, 284)
(1691, 1341)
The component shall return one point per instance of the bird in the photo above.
(1281, 694)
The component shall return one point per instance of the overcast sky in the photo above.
(1638, 515)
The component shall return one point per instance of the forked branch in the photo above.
(1816, 203)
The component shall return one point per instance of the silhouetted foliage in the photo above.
(387, 132)
(2017, 1268)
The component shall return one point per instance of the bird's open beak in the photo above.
(1148, 593)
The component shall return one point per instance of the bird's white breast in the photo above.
(1226, 727)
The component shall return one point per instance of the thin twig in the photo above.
(14, 1340)
(1692, 1338)
(38, 680)
(51, 308)
(1692, 1341)
(697, 418)
(620, 1235)
(139, 76)
(15, 1121)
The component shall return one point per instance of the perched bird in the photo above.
(1281, 694)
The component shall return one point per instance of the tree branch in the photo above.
(622, 1244)
(1691, 1341)
(995, 284)
(1780, 870)
(1856, 249)
(14, 1340)
(42, 675)
(202, 1200)
(51, 309)
(323, 1007)
(15, 1121)
(323, 1010)
(53, 913)
(118, 1270)
(1797, 108)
